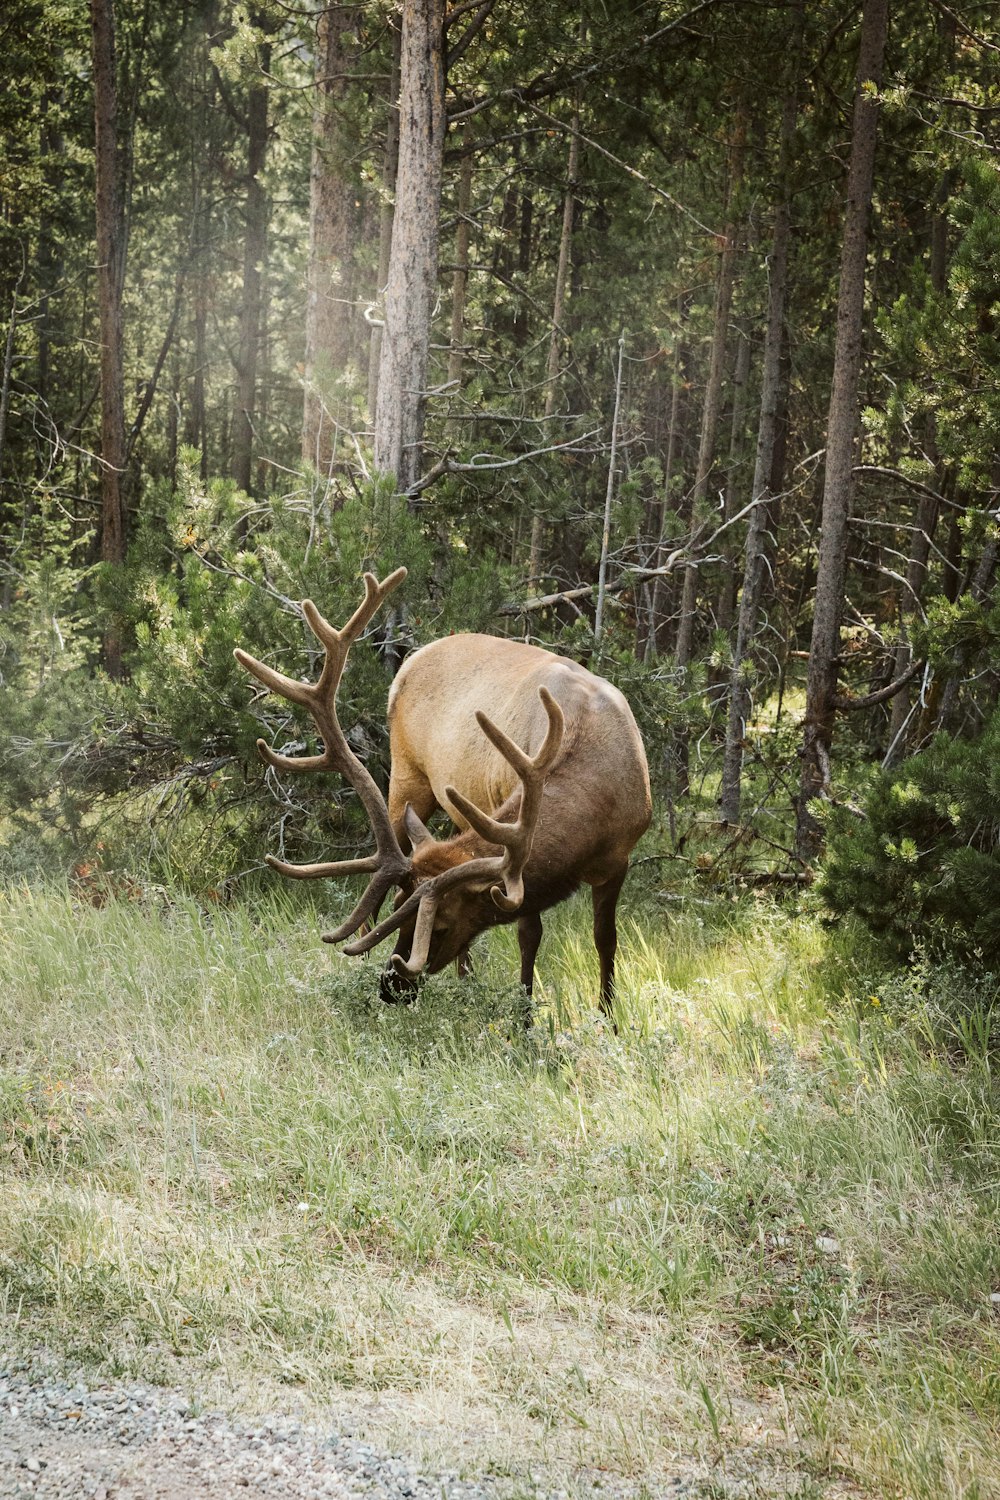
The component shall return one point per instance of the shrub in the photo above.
(923, 867)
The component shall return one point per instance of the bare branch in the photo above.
(623, 166)
(445, 465)
(960, 25)
(471, 31)
(691, 555)
(883, 695)
(911, 484)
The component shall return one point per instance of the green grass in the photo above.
(751, 1239)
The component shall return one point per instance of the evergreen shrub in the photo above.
(922, 869)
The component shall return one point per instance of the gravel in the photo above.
(76, 1439)
(72, 1440)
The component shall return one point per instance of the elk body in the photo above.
(548, 792)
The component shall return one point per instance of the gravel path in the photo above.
(61, 1440)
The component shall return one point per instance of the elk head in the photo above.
(450, 889)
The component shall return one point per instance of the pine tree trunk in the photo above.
(755, 560)
(602, 576)
(8, 366)
(50, 252)
(412, 280)
(556, 335)
(390, 166)
(332, 233)
(979, 588)
(195, 422)
(173, 413)
(110, 275)
(821, 683)
(713, 391)
(254, 252)
(925, 517)
(460, 278)
(6, 587)
(735, 479)
(657, 642)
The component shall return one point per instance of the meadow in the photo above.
(750, 1240)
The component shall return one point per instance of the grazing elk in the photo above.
(560, 766)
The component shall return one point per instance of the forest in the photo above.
(663, 336)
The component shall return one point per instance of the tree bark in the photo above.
(332, 233)
(842, 422)
(926, 514)
(735, 479)
(656, 642)
(556, 333)
(602, 576)
(8, 366)
(460, 278)
(755, 566)
(195, 422)
(50, 254)
(110, 276)
(254, 252)
(390, 166)
(713, 387)
(413, 260)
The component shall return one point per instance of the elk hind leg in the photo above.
(606, 935)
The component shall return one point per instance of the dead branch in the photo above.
(692, 554)
(446, 465)
(846, 701)
(916, 485)
(623, 166)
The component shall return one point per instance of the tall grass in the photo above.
(751, 1238)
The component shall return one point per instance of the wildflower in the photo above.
(874, 1000)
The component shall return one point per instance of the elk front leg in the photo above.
(606, 936)
(529, 936)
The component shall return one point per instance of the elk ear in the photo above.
(416, 831)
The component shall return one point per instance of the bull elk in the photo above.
(560, 767)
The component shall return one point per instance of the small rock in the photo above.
(827, 1244)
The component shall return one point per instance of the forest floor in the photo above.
(746, 1247)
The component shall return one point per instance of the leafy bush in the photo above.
(923, 867)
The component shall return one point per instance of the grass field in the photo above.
(751, 1240)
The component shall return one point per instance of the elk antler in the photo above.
(388, 865)
(514, 838)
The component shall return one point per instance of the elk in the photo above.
(550, 793)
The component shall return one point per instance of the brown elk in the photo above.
(561, 766)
